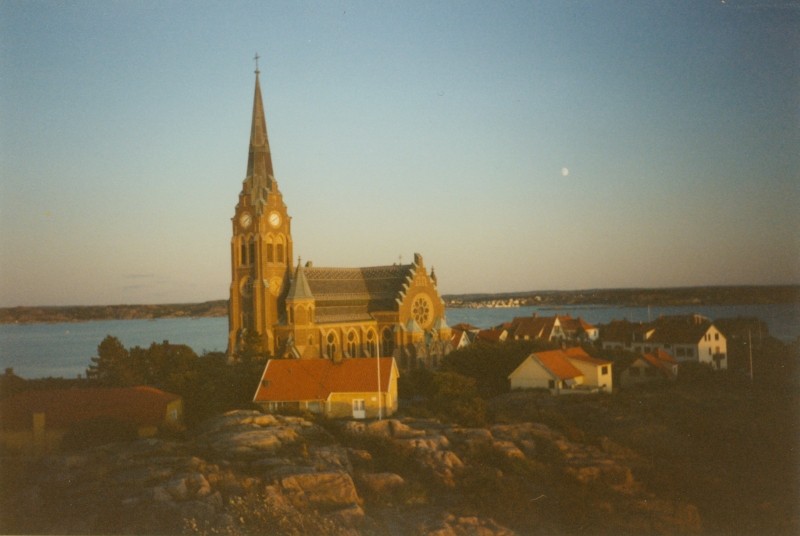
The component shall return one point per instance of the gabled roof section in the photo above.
(143, 406)
(290, 380)
(662, 361)
(680, 329)
(534, 327)
(557, 363)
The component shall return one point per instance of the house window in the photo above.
(604, 370)
(716, 336)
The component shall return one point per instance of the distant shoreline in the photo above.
(635, 297)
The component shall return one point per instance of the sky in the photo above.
(533, 145)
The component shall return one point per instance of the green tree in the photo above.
(112, 367)
(456, 399)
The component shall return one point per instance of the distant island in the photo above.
(631, 297)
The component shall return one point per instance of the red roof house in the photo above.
(347, 388)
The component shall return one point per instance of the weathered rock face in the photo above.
(155, 486)
(245, 473)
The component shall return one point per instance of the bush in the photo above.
(100, 431)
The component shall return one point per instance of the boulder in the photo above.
(327, 491)
(381, 482)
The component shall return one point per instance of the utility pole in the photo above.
(750, 348)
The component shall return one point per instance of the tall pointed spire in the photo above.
(260, 176)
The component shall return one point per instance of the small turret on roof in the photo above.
(299, 288)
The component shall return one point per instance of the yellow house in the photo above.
(40, 419)
(358, 388)
(567, 371)
(596, 372)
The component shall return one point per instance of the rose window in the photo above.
(421, 310)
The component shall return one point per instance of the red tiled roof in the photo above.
(288, 380)
(534, 327)
(491, 335)
(457, 336)
(144, 406)
(662, 361)
(557, 363)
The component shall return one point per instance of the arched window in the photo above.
(280, 252)
(251, 251)
(370, 344)
(330, 345)
(388, 342)
(352, 344)
(270, 251)
(243, 253)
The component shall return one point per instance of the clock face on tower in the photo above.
(245, 220)
(274, 219)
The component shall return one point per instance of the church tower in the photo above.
(261, 247)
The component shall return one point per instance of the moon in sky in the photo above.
(564, 171)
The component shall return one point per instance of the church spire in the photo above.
(260, 176)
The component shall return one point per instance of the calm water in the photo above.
(40, 350)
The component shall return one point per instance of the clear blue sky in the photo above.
(516, 145)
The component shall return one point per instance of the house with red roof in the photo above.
(655, 366)
(356, 388)
(40, 419)
(561, 373)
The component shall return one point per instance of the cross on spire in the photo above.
(256, 60)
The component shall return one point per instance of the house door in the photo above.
(359, 409)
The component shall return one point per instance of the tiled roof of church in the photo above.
(353, 293)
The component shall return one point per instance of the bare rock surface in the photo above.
(244, 473)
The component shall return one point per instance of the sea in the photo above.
(65, 349)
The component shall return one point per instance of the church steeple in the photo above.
(260, 178)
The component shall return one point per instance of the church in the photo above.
(304, 311)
